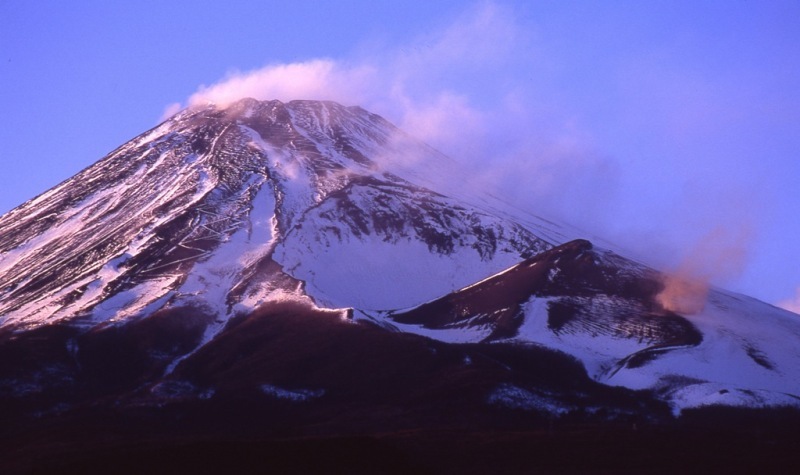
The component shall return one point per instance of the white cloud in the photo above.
(318, 79)
(473, 90)
(425, 86)
(458, 88)
(583, 116)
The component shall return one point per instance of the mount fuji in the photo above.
(315, 270)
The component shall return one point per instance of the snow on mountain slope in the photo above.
(191, 214)
(602, 309)
(119, 238)
(219, 212)
(411, 244)
(749, 356)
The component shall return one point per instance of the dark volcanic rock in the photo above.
(591, 292)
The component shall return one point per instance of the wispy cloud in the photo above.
(321, 79)
(416, 85)
(718, 256)
(793, 304)
(478, 89)
(170, 110)
(427, 88)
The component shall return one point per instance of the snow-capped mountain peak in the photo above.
(195, 211)
(222, 212)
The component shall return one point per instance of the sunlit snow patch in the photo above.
(514, 397)
(294, 395)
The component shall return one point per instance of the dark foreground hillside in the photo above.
(290, 389)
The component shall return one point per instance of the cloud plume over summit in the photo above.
(500, 130)
(319, 79)
(640, 150)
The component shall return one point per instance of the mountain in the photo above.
(208, 208)
(306, 269)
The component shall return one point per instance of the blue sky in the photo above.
(671, 128)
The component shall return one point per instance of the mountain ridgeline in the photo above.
(316, 271)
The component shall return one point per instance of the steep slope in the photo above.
(398, 233)
(136, 280)
(191, 214)
(603, 309)
(574, 273)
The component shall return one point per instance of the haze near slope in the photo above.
(194, 212)
(220, 210)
